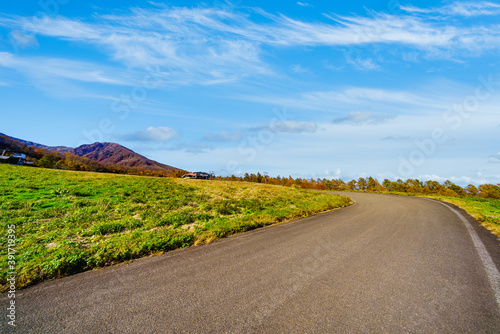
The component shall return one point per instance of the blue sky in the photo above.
(392, 89)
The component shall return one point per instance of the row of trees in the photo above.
(53, 159)
(447, 188)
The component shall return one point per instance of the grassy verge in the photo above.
(67, 222)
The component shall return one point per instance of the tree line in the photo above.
(52, 159)
(446, 188)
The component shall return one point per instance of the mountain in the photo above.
(115, 154)
(107, 154)
(62, 149)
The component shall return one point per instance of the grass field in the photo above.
(66, 222)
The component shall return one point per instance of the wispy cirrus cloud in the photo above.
(278, 127)
(43, 68)
(22, 40)
(362, 63)
(297, 68)
(351, 97)
(293, 127)
(364, 117)
(196, 45)
(304, 4)
(181, 41)
(287, 127)
(464, 8)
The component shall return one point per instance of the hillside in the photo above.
(105, 154)
(61, 149)
(115, 154)
(68, 222)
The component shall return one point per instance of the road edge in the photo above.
(490, 267)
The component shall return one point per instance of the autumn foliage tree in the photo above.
(447, 188)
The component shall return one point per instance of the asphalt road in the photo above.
(388, 264)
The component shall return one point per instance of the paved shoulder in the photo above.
(385, 265)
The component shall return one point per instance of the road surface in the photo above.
(387, 264)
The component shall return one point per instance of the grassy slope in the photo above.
(68, 222)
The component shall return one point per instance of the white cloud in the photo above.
(495, 158)
(363, 64)
(352, 98)
(336, 174)
(22, 41)
(304, 4)
(475, 8)
(290, 127)
(460, 180)
(152, 134)
(293, 127)
(195, 148)
(161, 133)
(43, 69)
(278, 127)
(299, 69)
(384, 95)
(60, 27)
(196, 45)
(181, 41)
(334, 68)
(364, 117)
(462, 8)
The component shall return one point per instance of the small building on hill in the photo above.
(197, 175)
(15, 159)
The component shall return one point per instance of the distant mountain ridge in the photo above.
(61, 149)
(104, 153)
(116, 154)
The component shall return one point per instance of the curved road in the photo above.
(388, 264)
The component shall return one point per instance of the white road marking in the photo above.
(489, 265)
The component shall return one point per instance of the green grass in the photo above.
(68, 222)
